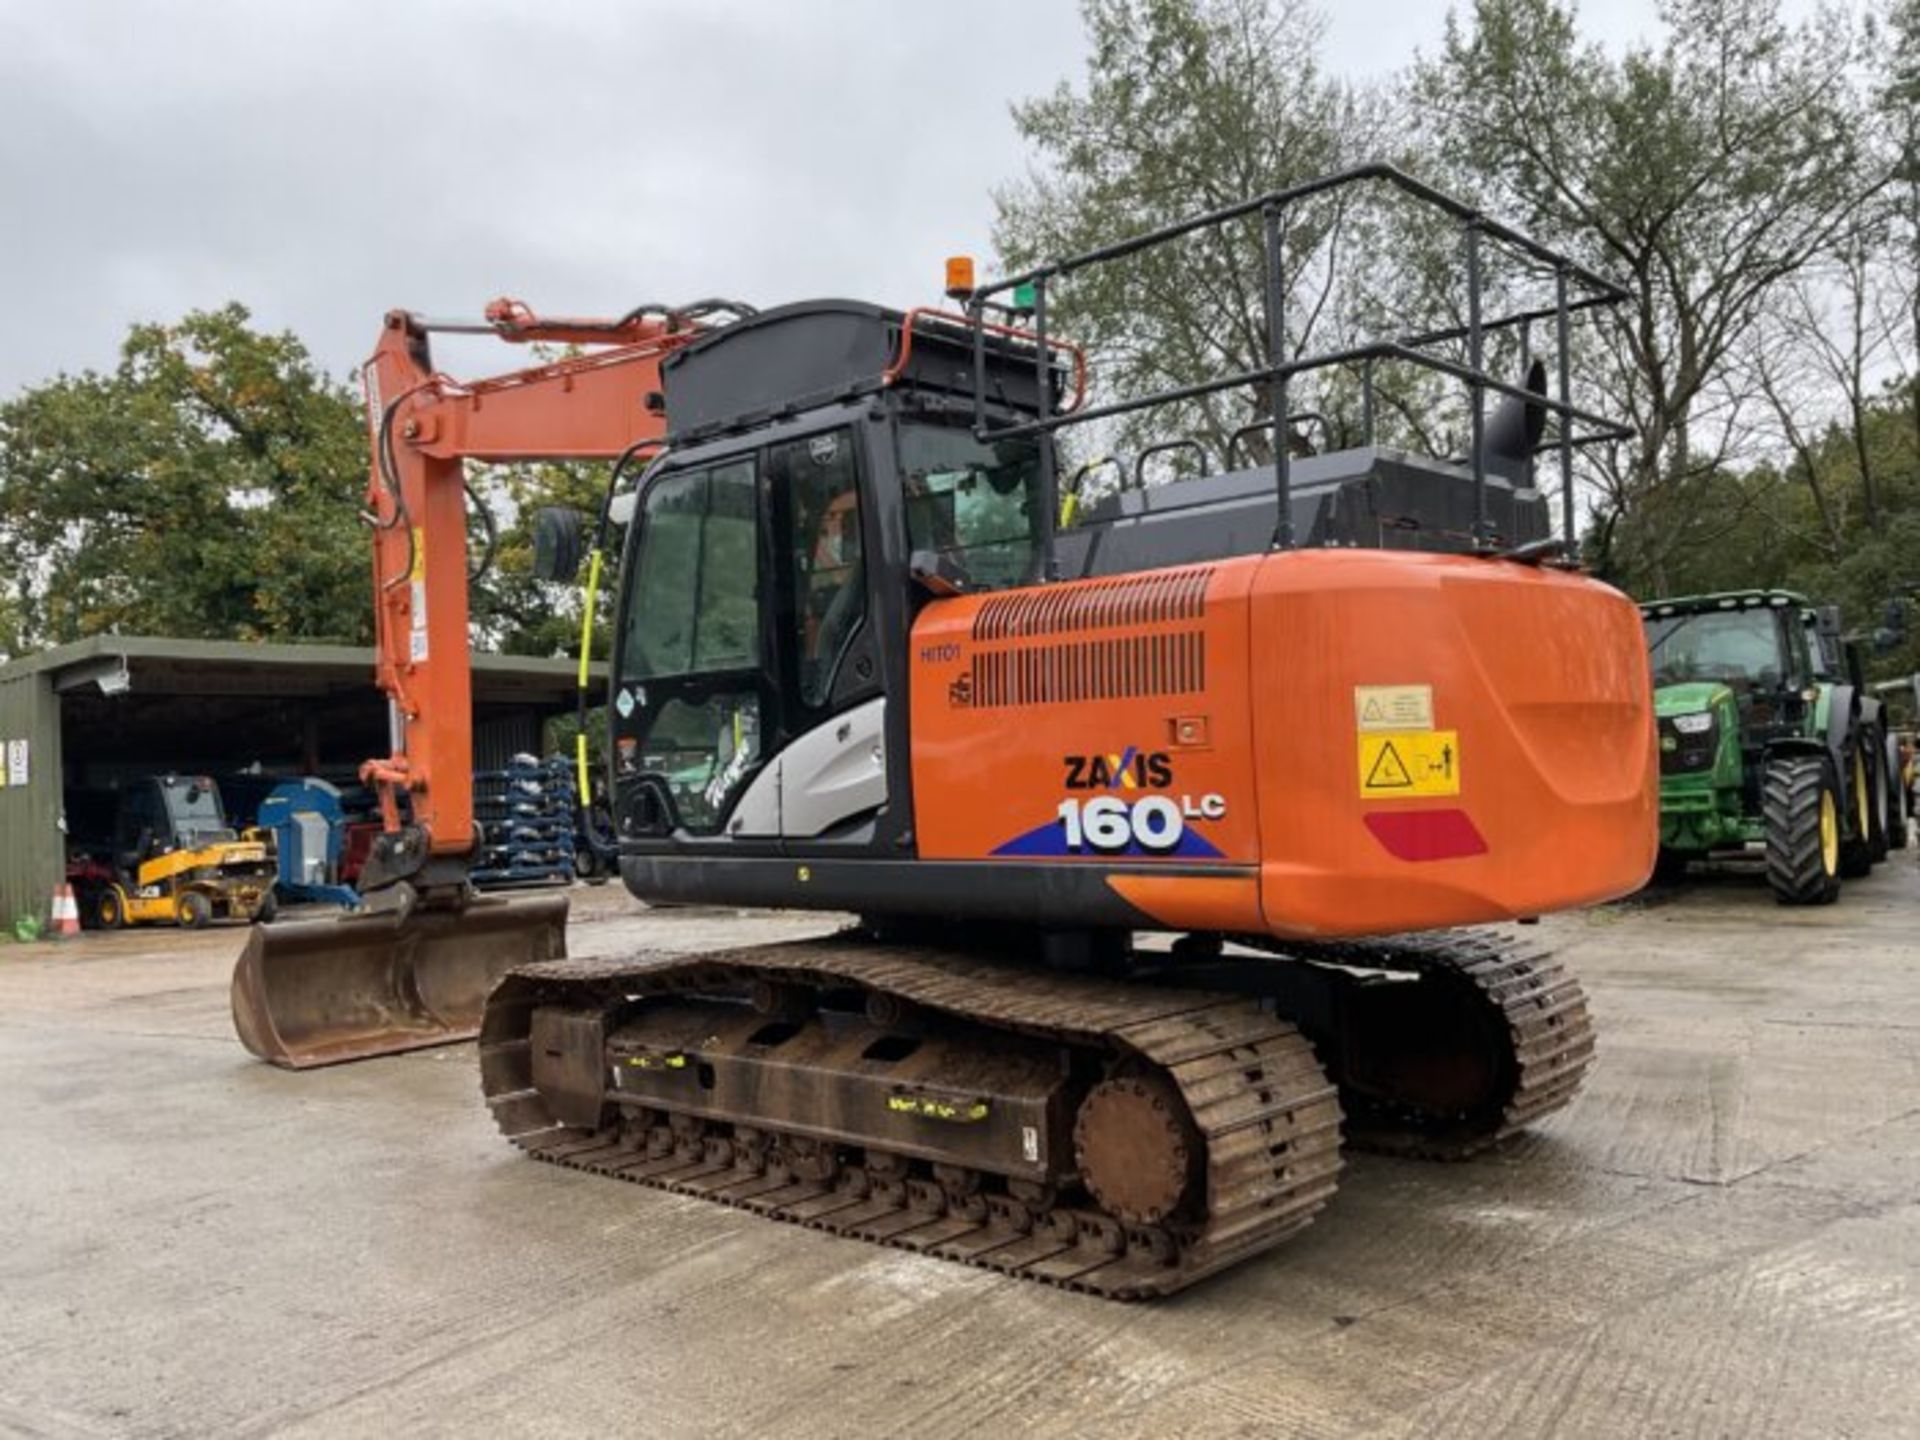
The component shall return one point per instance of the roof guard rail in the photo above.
(910, 326)
(1279, 369)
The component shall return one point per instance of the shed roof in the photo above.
(164, 665)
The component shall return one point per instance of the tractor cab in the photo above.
(1738, 666)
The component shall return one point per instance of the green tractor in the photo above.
(1770, 743)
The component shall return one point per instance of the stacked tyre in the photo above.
(526, 818)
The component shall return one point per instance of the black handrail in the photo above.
(1392, 174)
(1186, 442)
(1233, 440)
(1379, 350)
(1273, 377)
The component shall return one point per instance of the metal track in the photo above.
(1266, 1116)
(1531, 1003)
(1268, 1119)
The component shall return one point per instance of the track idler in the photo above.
(322, 992)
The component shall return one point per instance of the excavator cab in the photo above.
(769, 585)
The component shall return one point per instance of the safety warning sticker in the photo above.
(1393, 707)
(1400, 764)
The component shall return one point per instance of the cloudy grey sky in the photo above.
(326, 160)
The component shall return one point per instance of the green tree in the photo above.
(1703, 171)
(1189, 106)
(208, 487)
(1898, 97)
(513, 612)
(1803, 524)
(1880, 557)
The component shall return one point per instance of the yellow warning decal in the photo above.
(1401, 764)
(1393, 707)
(658, 1062)
(931, 1107)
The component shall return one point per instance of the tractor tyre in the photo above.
(193, 910)
(1880, 835)
(1856, 848)
(1897, 810)
(269, 907)
(1800, 803)
(110, 909)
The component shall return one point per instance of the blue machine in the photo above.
(308, 822)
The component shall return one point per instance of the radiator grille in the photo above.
(1092, 670)
(1101, 604)
(1682, 754)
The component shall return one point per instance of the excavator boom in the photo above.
(414, 967)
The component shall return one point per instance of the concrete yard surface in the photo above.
(1720, 1237)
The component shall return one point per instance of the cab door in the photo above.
(832, 767)
(695, 703)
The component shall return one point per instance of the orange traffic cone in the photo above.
(66, 913)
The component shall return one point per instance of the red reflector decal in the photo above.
(1427, 834)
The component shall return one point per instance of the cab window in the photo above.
(977, 504)
(1741, 648)
(695, 603)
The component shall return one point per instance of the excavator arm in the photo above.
(423, 426)
(414, 967)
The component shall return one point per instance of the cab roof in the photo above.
(1726, 600)
(777, 363)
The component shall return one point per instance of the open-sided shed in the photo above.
(101, 710)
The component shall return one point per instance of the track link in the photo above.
(1265, 1118)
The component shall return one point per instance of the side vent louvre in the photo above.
(1092, 670)
(1097, 605)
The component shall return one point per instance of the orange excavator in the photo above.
(1158, 807)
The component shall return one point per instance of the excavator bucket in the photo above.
(322, 992)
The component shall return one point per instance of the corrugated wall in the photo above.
(497, 740)
(32, 848)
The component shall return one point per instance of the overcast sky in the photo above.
(327, 160)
